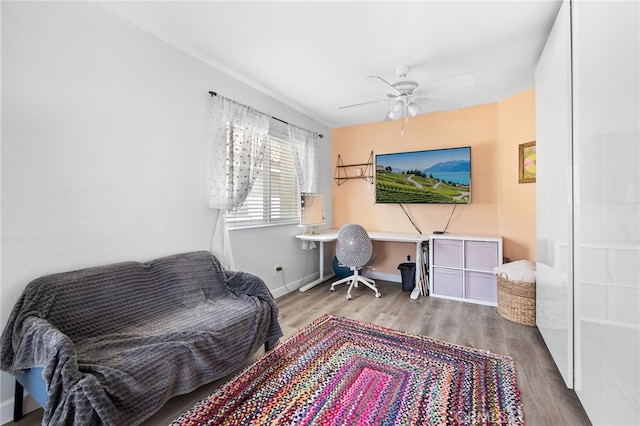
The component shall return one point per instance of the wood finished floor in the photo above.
(545, 399)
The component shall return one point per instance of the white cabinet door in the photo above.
(588, 231)
(554, 285)
(606, 140)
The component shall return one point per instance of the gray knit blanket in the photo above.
(116, 342)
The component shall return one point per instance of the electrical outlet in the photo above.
(277, 269)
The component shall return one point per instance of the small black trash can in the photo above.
(408, 272)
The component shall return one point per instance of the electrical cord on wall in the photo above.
(284, 282)
(410, 220)
(450, 216)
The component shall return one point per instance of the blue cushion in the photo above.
(341, 271)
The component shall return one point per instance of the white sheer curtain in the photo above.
(239, 137)
(305, 146)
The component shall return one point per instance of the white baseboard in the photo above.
(385, 276)
(295, 285)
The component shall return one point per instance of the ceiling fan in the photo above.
(408, 99)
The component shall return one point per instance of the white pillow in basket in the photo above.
(520, 270)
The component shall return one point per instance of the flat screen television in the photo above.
(436, 176)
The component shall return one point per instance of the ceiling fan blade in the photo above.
(390, 86)
(455, 82)
(432, 105)
(380, 101)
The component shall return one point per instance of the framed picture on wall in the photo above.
(527, 162)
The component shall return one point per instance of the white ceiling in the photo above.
(315, 55)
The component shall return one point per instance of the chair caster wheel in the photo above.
(378, 295)
(332, 289)
(348, 297)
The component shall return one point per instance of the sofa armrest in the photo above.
(39, 344)
(244, 283)
(31, 381)
(35, 344)
(38, 347)
(239, 282)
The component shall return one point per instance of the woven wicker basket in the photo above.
(517, 300)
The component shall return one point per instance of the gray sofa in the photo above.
(114, 343)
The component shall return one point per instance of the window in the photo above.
(274, 197)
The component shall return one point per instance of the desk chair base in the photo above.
(354, 280)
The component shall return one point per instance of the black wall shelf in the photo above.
(341, 173)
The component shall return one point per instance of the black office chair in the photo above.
(354, 249)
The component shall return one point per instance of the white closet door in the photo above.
(554, 289)
(606, 139)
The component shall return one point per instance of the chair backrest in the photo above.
(353, 247)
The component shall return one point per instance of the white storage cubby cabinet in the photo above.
(461, 267)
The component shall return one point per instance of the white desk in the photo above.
(332, 235)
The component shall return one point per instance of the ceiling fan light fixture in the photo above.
(414, 109)
(393, 114)
(397, 106)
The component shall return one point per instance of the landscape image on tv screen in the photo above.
(439, 176)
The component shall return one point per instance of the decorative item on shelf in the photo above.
(341, 174)
(527, 162)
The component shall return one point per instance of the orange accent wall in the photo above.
(499, 204)
(517, 204)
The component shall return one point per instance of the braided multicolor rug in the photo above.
(338, 371)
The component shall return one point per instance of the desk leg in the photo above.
(419, 266)
(321, 266)
(321, 260)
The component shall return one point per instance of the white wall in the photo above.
(104, 151)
